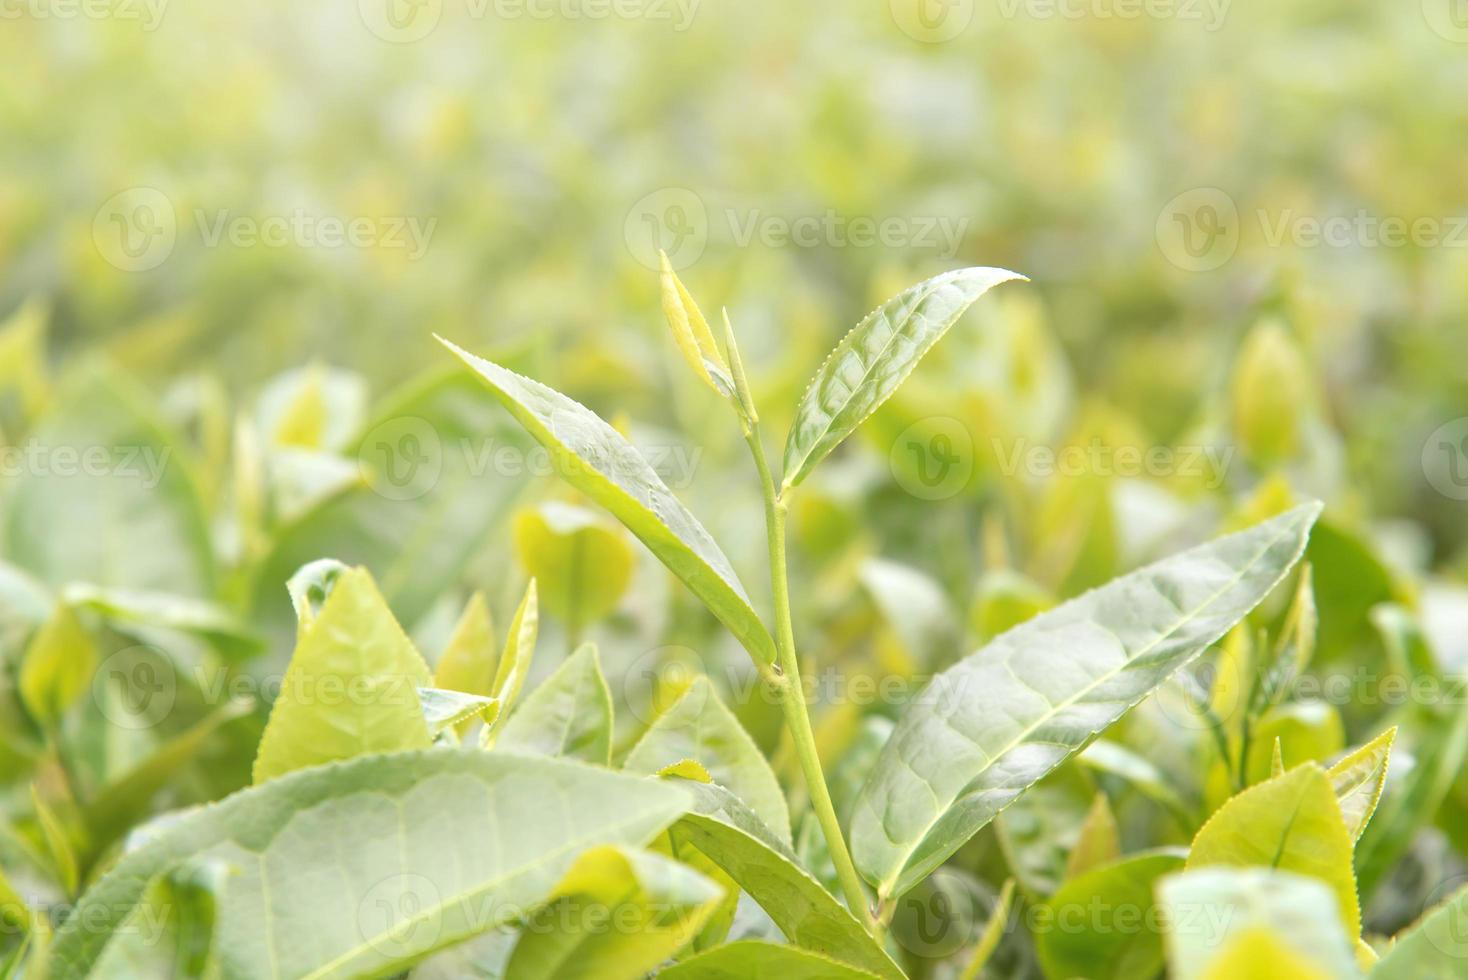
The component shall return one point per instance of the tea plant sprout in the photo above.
(927, 795)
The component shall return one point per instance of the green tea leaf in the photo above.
(737, 841)
(570, 714)
(309, 587)
(595, 459)
(582, 564)
(691, 331)
(1291, 823)
(995, 723)
(468, 661)
(1099, 842)
(1269, 393)
(514, 665)
(58, 842)
(58, 666)
(698, 726)
(1433, 949)
(1358, 780)
(1210, 911)
(1101, 924)
(351, 688)
(616, 915)
(873, 360)
(362, 868)
(1140, 772)
(443, 709)
(993, 933)
(170, 933)
(753, 958)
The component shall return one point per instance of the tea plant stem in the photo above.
(792, 692)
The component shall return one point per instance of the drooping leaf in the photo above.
(514, 665)
(873, 360)
(1096, 924)
(1435, 948)
(1358, 780)
(468, 661)
(364, 867)
(737, 841)
(616, 915)
(1208, 911)
(215, 624)
(443, 709)
(698, 726)
(309, 586)
(569, 714)
(995, 723)
(582, 563)
(58, 666)
(1291, 823)
(351, 688)
(595, 459)
(753, 958)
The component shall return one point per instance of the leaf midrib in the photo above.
(865, 376)
(326, 969)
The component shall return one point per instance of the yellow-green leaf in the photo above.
(351, 687)
(698, 726)
(468, 661)
(1099, 841)
(752, 958)
(58, 666)
(1291, 823)
(570, 714)
(582, 564)
(691, 331)
(1358, 780)
(595, 459)
(1269, 393)
(1095, 924)
(616, 915)
(514, 665)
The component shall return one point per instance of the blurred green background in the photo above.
(228, 233)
